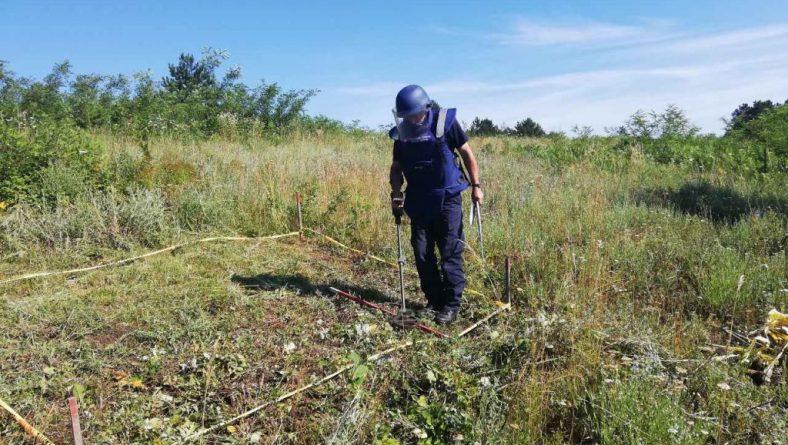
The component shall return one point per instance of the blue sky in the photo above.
(583, 62)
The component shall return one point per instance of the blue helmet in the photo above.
(411, 100)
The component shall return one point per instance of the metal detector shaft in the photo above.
(400, 262)
(479, 227)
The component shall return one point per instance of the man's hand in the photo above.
(477, 195)
(397, 204)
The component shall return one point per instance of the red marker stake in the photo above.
(72, 406)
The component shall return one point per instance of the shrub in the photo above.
(766, 138)
(31, 154)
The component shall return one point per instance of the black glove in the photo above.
(397, 205)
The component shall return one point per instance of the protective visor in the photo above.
(410, 131)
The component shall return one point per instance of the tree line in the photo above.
(672, 122)
(192, 100)
(49, 128)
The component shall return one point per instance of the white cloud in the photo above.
(707, 75)
(529, 32)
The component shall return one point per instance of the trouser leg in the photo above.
(450, 241)
(426, 263)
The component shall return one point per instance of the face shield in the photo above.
(414, 128)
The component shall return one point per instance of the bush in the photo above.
(766, 139)
(34, 158)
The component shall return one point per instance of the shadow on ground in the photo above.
(305, 286)
(722, 205)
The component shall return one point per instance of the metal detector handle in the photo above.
(400, 263)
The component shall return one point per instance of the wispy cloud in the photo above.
(729, 40)
(706, 74)
(529, 32)
(568, 80)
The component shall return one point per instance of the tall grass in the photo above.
(624, 269)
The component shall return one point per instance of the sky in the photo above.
(561, 63)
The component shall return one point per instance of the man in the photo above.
(426, 140)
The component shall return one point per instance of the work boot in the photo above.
(427, 311)
(447, 315)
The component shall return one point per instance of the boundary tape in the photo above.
(139, 257)
(37, 436)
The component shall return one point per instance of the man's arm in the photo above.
(396, 180)
(472, 167)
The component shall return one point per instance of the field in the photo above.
(631, 278)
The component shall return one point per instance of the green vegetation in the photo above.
(524, 128)
(634, 257)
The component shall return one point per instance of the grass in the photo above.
(626, 274)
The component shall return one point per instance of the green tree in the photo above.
(528, 128)
(48, 97)
(483, 127)
(746, 112)
(767, 136)
(673, 122)
(189, 75)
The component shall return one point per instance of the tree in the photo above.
(746, 112)
(767, 135)
(47, 97)
(672, 122)
(190, 75)
(582, 132)
(483, 127)
(528, 128)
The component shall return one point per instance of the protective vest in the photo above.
(429, 165)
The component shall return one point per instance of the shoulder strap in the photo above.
(446, 117)
(441, 127)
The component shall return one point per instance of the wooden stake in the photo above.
(507, 274)
(75, 428)
(300, 217)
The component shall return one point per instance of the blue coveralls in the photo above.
(433, 201)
